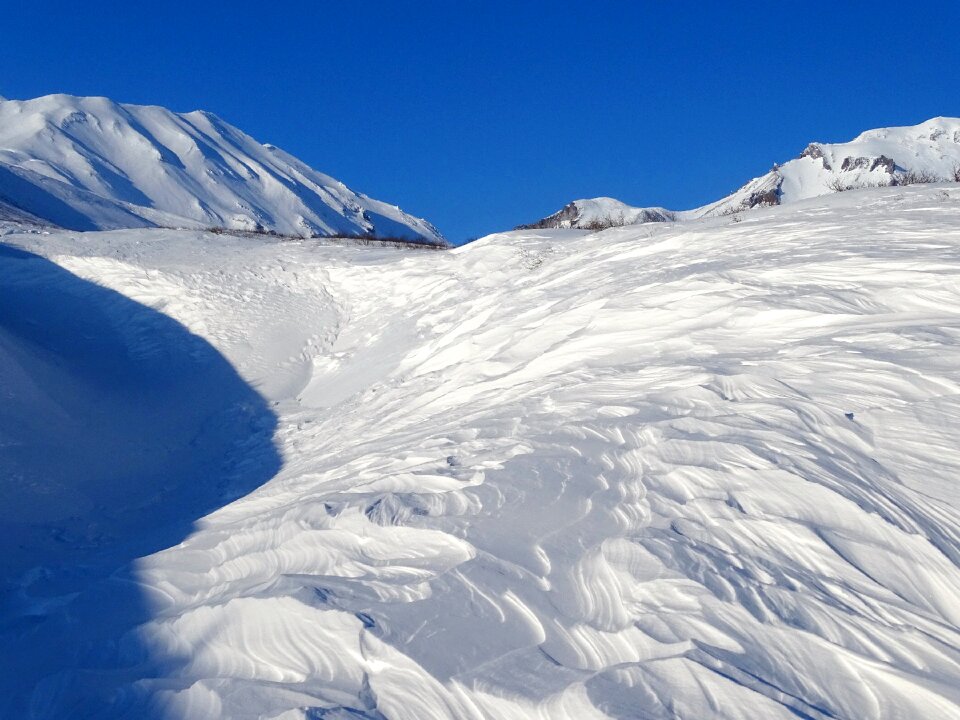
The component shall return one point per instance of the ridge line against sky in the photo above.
(481, 116)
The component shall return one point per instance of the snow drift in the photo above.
(675, 470)
(87, 163)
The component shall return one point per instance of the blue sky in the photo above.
(483, 115)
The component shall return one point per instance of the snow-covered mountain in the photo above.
(87, 163)
(684, 471)
(599, 213)
(924, 153)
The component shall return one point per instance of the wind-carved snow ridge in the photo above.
(917, 154)
(697, 470)
(88, 163)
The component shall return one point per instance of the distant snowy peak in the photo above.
(599, 213)
(928, 152)
(88, 163)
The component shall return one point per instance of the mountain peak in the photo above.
(926, 152)
(92, 163)
(598, 213)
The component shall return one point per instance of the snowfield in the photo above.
(686, 471)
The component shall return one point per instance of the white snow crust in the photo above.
(88, 163)
(694, 470)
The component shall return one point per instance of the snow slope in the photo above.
(678, 470)
(928, 152)
(12, 214)
(89, 163)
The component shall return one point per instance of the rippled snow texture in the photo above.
(697, 471)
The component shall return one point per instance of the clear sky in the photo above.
(482, 115)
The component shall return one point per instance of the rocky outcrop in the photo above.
(815, 151)
(868, 164)
(563, 218)
(763, 198)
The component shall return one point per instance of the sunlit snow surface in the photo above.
(88, 163)
(884, 157)
(706, 470)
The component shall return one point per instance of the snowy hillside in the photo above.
(599, 213)
(680, 470)
(87, 163)
(13, 214)
(924, 153)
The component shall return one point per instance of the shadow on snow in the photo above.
(118, 430)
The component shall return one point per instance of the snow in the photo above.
(599, 213)
(675, 470)
(88, 163)
(931, 148)
(929, 151)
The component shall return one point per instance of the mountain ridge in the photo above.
(903, 155)
(90, 163)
